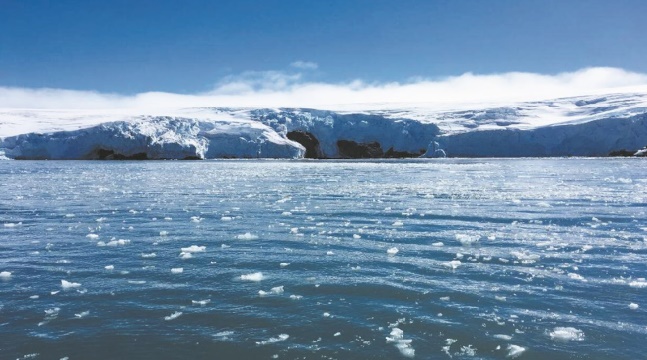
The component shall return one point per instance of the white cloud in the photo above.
(305, 65)
(276, 89)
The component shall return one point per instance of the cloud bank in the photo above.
(290, 89)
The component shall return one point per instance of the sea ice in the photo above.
(177, 270)
(392, 251)
(82, 314)
(515, 351)
(194, 249)
(466, 239)
(148, 256)
(257, 276)
(68, 285)
(109, 267)
(633, 306)
(247, 236)
(92, 236)
(5, 275)
(201, 302)
(452, 264)
(566, 334)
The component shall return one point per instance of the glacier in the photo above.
(579, 126)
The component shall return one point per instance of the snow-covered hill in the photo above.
(583, 126)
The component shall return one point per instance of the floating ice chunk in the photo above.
(185, 255)
(69, 215)
(68, 285)
(224, 246)
(403, 345)
(392, 251)
(633, 306)
(34, 297)
(247, 236)
(638, 283)
(330, 253)
(398, 223)
(357, 236)
(148, 256)
(196, 219)
(281, 337)
(543, 204)
(82, 314)
(92, 236)
(468, 350)
(296, 297)
(10, 225)
(257, 276)
(286, 213)
(109, 267)
(226, 218)
(525, 256)
(466, 239)
(277, 290)
(168, 218)
(120, 242)
(194, 249)
(438, 244)
(566, 334)
(502, 337)
(262, 292)
(500, 298)
(326, 314)
(337, 334)
(294, 230)
(54, 292)
(452, 264)
(173, 316)
(163, 233)
(284, 264)
(137, 282)
(5, 275)
(177, 270)
(201, 302)
(515, 351)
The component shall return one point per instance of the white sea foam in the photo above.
(194, 249)
(284, 264)
(10, 225)
(357, 236)
(281, 337)
(247, 236)
(201, 302)
(68, 285)
(330, 253)
(119, 242)
(277, 290)
(392, 251)
(5, 275)
(398, 223)
(257, 276)
(566, 334)
(137, 282)
(173, 316)
(502, 337)
(438, 244)
(575, 276)
(296, 297)
(185, 255)
(148, 256)
(163, 233)
(177, 270)
(452, 264)
(638, 283)
(92, 236)
(402, 344)
(82, 314)
(109, 267)
(515, 351)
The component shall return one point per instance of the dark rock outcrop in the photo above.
(402, 154)
(309, 141)
(104, 154)
(621, 153)
(352, 150)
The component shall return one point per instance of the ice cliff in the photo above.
(582, 126)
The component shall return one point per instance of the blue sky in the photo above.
(186, 47)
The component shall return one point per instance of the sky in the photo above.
(183, 49)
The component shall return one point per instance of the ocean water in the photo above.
(430, 259)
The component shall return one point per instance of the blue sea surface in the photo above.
(430, 259)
